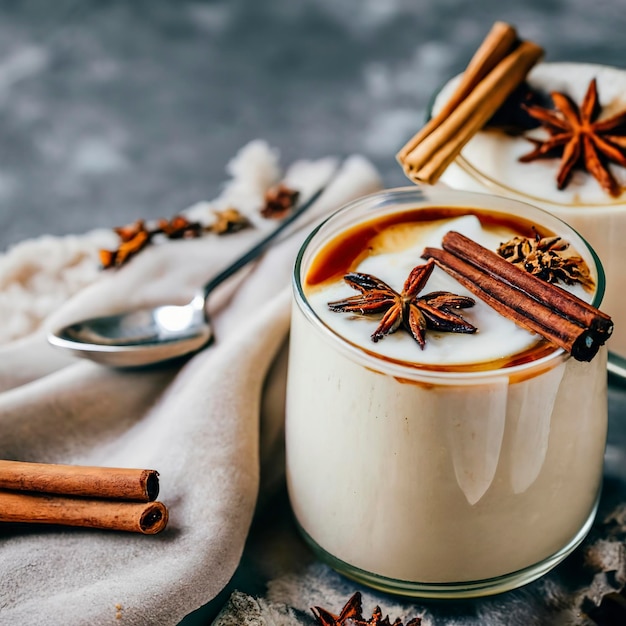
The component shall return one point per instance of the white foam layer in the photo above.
(494, 155)
(497, 337)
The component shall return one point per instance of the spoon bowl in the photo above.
(141, 337)
(152, 335)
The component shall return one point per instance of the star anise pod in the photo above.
(134, 237)
(352, 615)
(581, 138)
(229, 221)
(543, 257)
(279, 201)
(179, 227)
(352, 610)
(406, 309)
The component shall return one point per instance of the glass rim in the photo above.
(427, 197)
(498, 187)
(491, 183)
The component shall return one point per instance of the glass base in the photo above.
(616, 366)
(453, 590)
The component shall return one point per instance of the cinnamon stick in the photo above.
(502, 294)
(575, 309)
(98, 482)
(499, 42)
(146, 518)
(426, 156)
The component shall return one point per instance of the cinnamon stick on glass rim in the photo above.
(504, 292)
(568, 305)
(497, 68)
(141, 485)
(499, 42)
(146, 518)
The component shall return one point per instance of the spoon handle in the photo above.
(255, 251)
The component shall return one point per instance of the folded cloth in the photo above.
(207, 426)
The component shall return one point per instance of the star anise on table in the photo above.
(179, 227)
(229, 220)
(581, 138)
(407, 309)
(543, 257)
(279, 201)
(136, 236)
(133, 237)
(352, 615)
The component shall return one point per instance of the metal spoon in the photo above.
(153, 335)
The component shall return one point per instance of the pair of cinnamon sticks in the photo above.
(544, 308)
(501, 64)
(72, 495)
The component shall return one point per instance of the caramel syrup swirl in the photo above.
(345, 252)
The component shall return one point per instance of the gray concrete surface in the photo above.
(113, 110)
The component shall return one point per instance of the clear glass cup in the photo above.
(599, 218)
(439, 483)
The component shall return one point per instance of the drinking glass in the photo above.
(439, 483)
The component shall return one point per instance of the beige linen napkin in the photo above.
(207, 426)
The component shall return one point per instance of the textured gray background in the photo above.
(113, 110)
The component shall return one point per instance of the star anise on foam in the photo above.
(352, 615)
(583, 139)
(543, 257)
(406, 309)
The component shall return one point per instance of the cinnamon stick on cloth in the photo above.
(98, 482)
(212, 424)
(103, 497)
(501, 63)
(148, 518)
